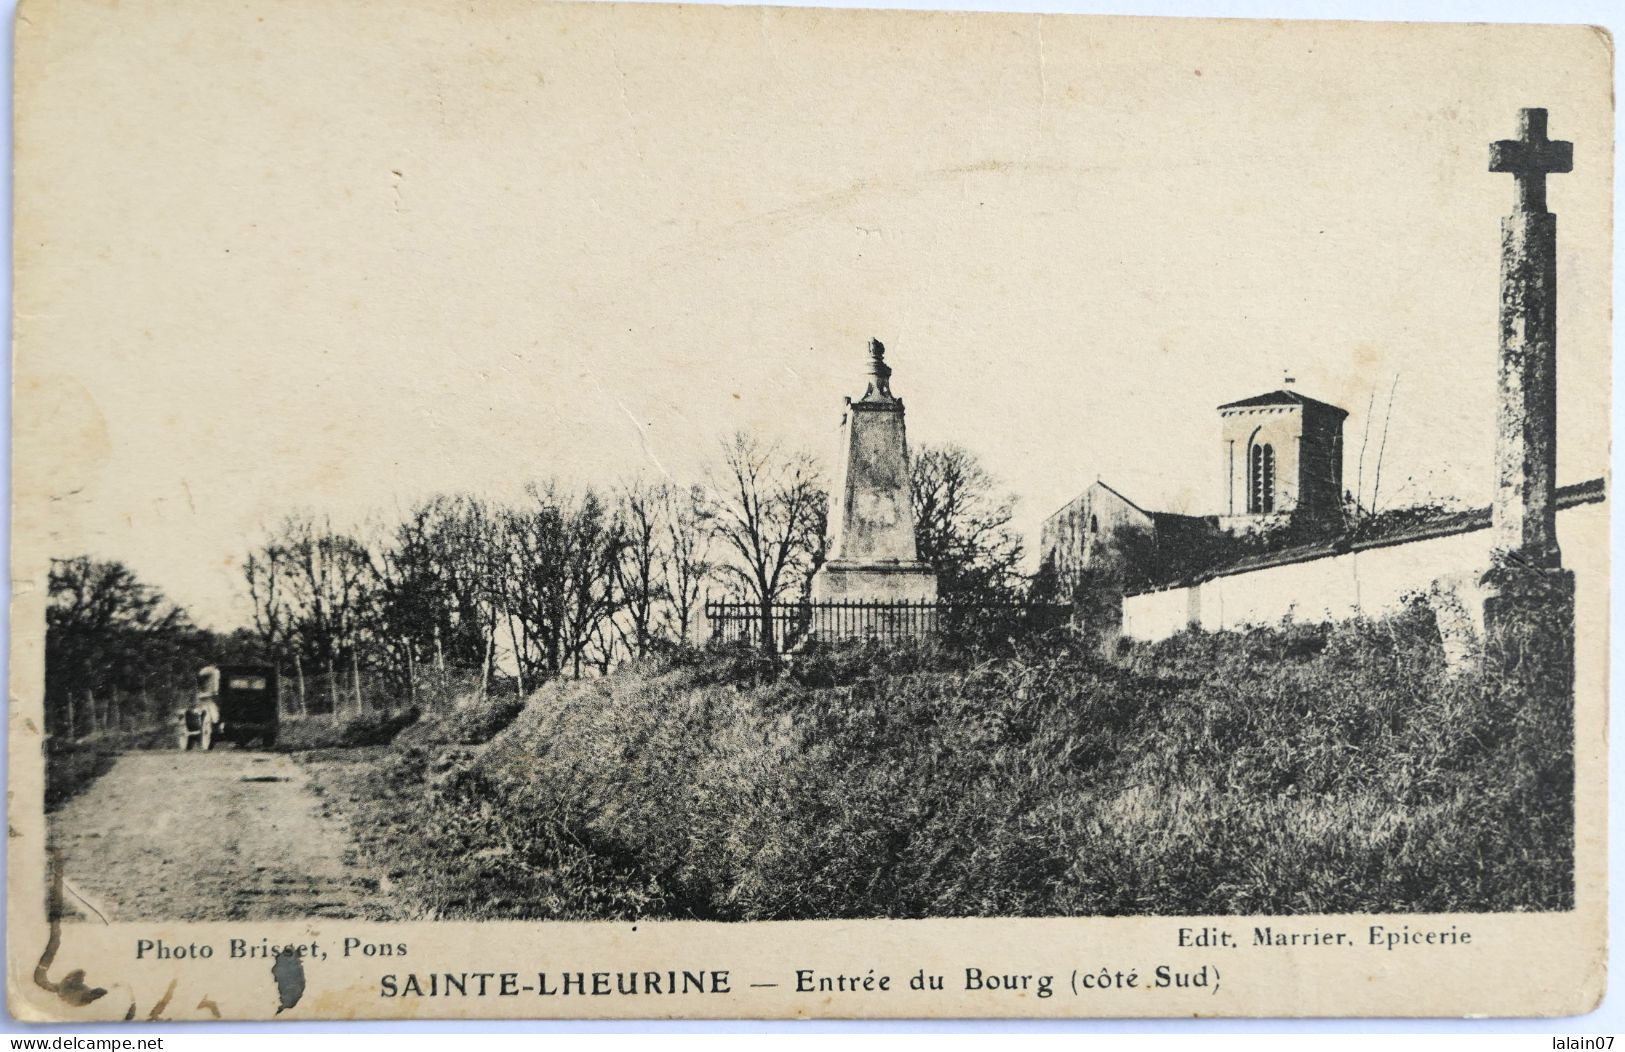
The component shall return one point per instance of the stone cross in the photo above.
(1524, 516)
(1530, 158)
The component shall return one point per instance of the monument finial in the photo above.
(879, 374)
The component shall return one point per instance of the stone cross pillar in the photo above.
(872, 555)
(1528, 597)
(1525, 507)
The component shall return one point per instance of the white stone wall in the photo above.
(1372, 582)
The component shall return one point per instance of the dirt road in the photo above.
(222, 835)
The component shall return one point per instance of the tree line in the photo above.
(462, 593)
(118, 653)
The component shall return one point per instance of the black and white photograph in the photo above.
(979, 483)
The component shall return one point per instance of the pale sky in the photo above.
(341, 257)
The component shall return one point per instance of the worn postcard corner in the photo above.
(599, 510)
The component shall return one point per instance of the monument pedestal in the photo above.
(874, 582)
(1529, 626)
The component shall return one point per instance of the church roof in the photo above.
(1284, 398)
(1119, 496)
(1157, 517)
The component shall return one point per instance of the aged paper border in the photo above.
(1536, 964)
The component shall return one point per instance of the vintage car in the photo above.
(236, 703)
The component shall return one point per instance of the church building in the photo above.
(1282, 457)
(1082, 533)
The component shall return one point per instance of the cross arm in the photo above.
(1529, 158)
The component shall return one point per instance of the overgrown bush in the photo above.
(1298, 769)
(735, 663)
(473, 720)
(844, 663)
(346, 732)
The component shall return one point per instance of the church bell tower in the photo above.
(1283, 461)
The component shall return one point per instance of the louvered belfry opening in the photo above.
(1261, 479)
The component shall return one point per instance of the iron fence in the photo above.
(781, 626)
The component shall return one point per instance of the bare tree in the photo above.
(962, 526)
(665, 562)
(264, 572)
(1359, 471)
(400, 618)
(766, 509)
(639, 508)
(685, 557)
(1382, 447)
(533, 549)
(441, 596)
(593, 547)
(325, 580)
(561, 556)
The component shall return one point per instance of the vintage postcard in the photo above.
(613, 510)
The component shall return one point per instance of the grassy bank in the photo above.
(71, 766)
(1291, 770)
